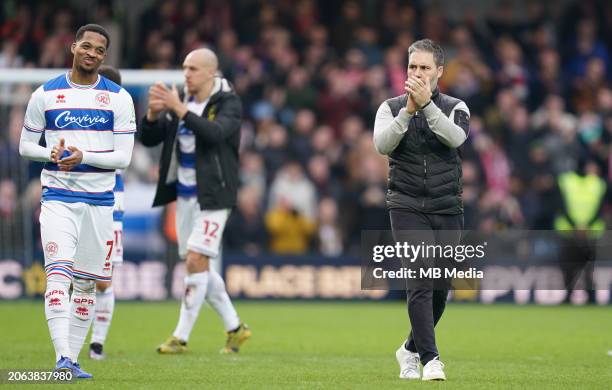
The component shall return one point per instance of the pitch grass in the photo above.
(332, 346)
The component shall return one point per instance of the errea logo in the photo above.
(61, 98)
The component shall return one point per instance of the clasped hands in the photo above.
(419, 93)
(66, 161)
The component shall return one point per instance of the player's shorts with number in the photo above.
(118, 211)
(118, 247)
(198, 230)
(77, 239)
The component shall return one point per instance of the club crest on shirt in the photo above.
(103, 99)
(51, 248)
(212, 113)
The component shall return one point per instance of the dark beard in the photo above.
(85, 71)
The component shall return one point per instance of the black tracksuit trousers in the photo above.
(426, 300)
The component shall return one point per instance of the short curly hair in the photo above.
(93, 28)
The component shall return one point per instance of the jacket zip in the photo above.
(218, 164)
(424, 180)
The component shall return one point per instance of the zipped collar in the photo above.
(435, 93)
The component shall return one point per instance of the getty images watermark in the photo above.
(424, 253)
(472, 260)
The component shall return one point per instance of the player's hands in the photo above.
(71, 161)
(58, 150)
(178, 107)
(419, 90)
(168, 97)
(156, 105)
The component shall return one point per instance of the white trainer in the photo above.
(434, 371)
(408, 362)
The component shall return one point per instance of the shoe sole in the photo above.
(163, 351)
(439, 378)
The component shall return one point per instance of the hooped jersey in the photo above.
(87, 117)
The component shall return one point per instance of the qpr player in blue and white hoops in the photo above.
(88, 123)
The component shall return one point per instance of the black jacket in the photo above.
(217, 134)
(424, 174)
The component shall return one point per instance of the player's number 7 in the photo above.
(110, 249)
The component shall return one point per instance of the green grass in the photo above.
(333, 346)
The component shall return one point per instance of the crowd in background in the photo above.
(312, 74)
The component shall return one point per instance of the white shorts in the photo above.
(77, 239)
(198, 230)
(118, 247)
(118, 227)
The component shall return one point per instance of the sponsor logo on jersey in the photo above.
(66, 118)
(60, 98)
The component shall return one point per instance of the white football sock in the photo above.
(220, 301)
(83, 304)
(57, 312)
(105, 305)
(195, 292)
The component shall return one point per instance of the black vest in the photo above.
(425, 174)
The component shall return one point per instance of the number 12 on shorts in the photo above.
(210, 228)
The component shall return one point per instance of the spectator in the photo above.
(299, 143)
(246, 232)
(320, 174)
(295, 189)
(290, 231)
(9, 57)
(300, 93)
(11, 228)
(253, 173)
(329, 234)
